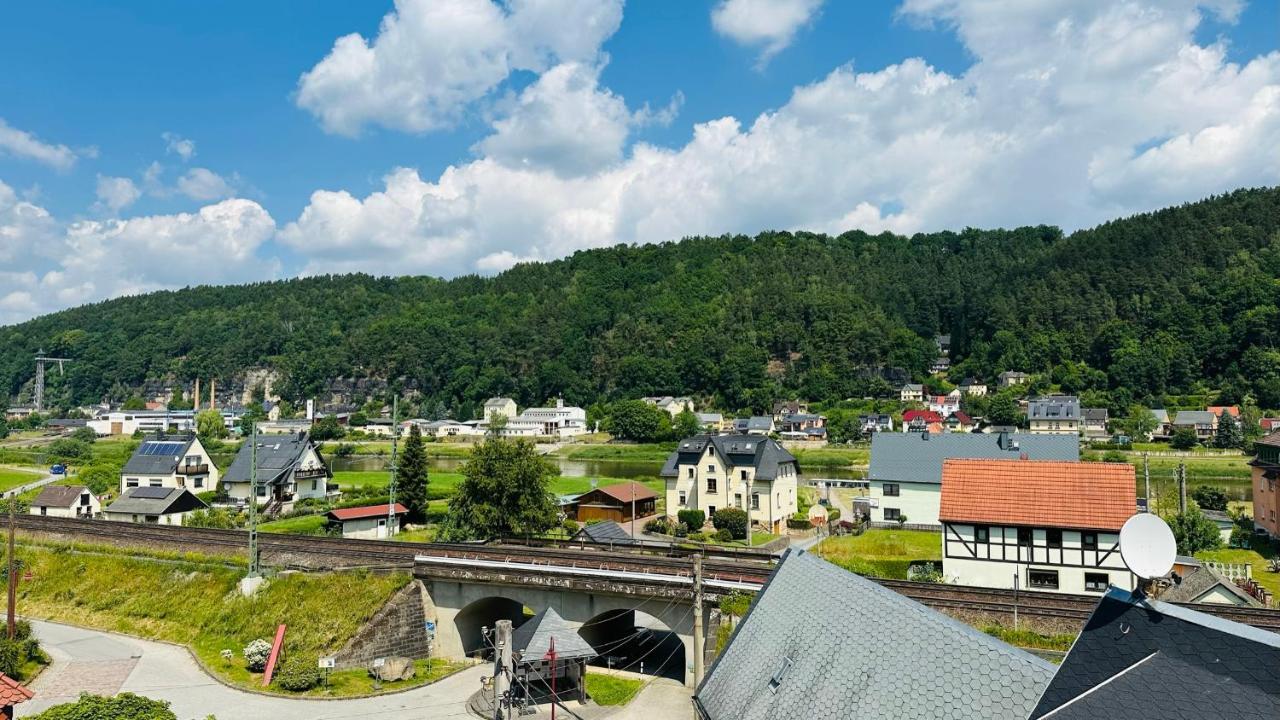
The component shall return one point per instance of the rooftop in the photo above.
(59, 496)
(762, 453)
(363, 512)
(156, 501)
(917, 457)
(158, 455)
(1040, 493)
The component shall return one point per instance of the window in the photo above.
(1053, 537)
(892, 513)
(1089, 541)
(131, 482)
(1024, 537)
(262, 491)
(743, 475)
(982, 534)
(690, 472)
(892, 490)
(199, 482)
(684, 498)
(711, 485)
(313, 485)
(155, 482)
(737, 499)
(1096, 582)
(711, 468)
(755, 501)
(1043, 579)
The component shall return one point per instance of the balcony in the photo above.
(193, 470)
(309, 473)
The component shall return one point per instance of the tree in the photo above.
(1003, 410)
(210, 425)
(67, 449)
(686, 424)
(732, 519)
(99, 478)
(1184, 438)
(638, 421)
(4, 428)
(412, 476)
(84, 434)
(505, 492)
(125, 706)
(253, 414)
(1194, 532)
(134, 403)
(327, 428)
(1140, 423)
(1229, 433)
(1209, 497)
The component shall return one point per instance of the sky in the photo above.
(152, 145)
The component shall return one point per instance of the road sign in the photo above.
(431, 628)
(328, 663)
(379, 662)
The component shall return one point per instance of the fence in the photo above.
(1232, 571)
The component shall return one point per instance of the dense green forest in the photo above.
(1177, 301)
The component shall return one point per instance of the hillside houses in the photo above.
(69, 501)
(1054, 415)
(911, 392)
(171, 461)
(671, 405)
(1202, 422)
(289, 469)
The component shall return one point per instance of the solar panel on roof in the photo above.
(151, 493)
(161, 448)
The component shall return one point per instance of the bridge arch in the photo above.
(633, 640)
(485, 613)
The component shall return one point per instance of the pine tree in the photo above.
(1229, 433)
(412, 476)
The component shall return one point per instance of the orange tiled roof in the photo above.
(1043, 493)
(12, 692)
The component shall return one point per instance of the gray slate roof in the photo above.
(156, 501)
(605, 532)
(59, 496)
(762, 453)
(859, 650)
(158, 455)
(1193, 417)
(1161, 415)
(277, 457)
(533, 639)
(909, 457)
(1095, 414)
(1137, 657)
(1054, 407)
(1201, 581)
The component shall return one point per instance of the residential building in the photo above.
(749, 472)
(368, 522)
(1206, 585)
(673, 406)
(285, 426)
(128, 422)
(612, 502)
(441, 428)
(802, 422)
(506, 407)
(1164, 426)
(796, 656)
(945, 405)
(19, 412)
(1203, 422)
(911, 392)
(1054, 414)
(1217, 410)
(906, 468)
(1095, 423)
(1010, 378)
(940, 364)
(1265, 469)
(1269, 424)
(959, 422)
(380, 427)
(154, 505)
(1139, 656)
(754, 425)
(289, 469)
(172, 461)
(973, 386)
(1043, 525)
(712, 422)
(918, 421)
(790, 407)
(880, 422)
(69, 501)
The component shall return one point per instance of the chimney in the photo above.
(195, 397)
(559, 403)
(924, 435)
(213, 394)
(1023, 456)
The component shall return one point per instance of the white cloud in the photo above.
(204, 184)
(116, 193)
(25, 145)
(178, 145)
(431, 58)
(770, 25)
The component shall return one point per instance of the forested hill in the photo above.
(1182, 299)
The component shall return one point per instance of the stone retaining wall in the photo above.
(399, 628)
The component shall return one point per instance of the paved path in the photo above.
(15, 492)
(105, 663)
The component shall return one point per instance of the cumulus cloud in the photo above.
(20, 143)
(1072, 113)
(116, 193)
(177, 145)
(204, 184)
(770, 25)
(431, 58)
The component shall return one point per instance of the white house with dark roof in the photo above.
(503, 406)
(171, 461)
(1010, 378)
(1054, 415)
(673, 406)
(70, 501)
(748, 472)
(911, 392)
(154, 505)
(973, 387)
(289, 469)
(1203, 422)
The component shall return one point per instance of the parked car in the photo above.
(58, 470)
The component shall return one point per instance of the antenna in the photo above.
(1147, 546)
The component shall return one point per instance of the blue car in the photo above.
(58, 470)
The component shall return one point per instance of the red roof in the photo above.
(367, 511)
(1269, 423)
(1041, 493)
(12, 692)
(962, 418)
(628, 491)
(929, 416)
(1217, 410)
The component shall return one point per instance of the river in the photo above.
(623, 469)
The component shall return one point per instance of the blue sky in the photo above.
(140, 140)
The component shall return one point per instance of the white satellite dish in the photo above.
(1147, 546)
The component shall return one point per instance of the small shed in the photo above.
(156, 505)
(532, 643)
(71, 501)
(613, 502)
(368, 522)
(608, 532)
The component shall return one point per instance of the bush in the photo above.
(1209, 497)
(570, 527)
(693, 519)
(256, 654)
(298, 673)
(698, 537)
(1113, 456)
(833, 514)
(125, 706)
(680, 530)
(660, 525)
(733, 520)
(723, 535)
(1194, 532)
(344, 450)
(1184, 438)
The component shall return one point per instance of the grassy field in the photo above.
(881, 553)
(12, 477)
(1029, 638)
(612, 690)
(835, 456)
(1241, 556)
(644, 452)
(197, 604)
(301, 525)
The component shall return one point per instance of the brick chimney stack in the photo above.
(213, 394)
(195, 397)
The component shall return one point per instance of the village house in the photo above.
(940, 364)
(1202, 422)
(973, 387)
(612, 502)
(879, 422)
(754, 425)
(1265, 469)
(441, 428)
(959, 422)
(1010, 378)
(608, 532)
(1095, 423)
(1053, 415)
(154, 505)
(1269, 424)
(945, 405)
(69, 501)
(709, 472)
(506, 407)
(712, 422)
(804, 424)
(943, 343)
(1036, 524)
(911, 392)
(1164, 426)
(918, 421)
(790, 407)
(128, 422)
(905, 475)
(172, 461)
(673, 406)
(1233, 410)
(368, 522)
(1205, 584)
(289, 469)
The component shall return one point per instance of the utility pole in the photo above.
(13, 575)
(746, 506)
(1182, 487)
(697, 620)
(395, 434)
(1146, 475)
(501, 668)
(253, 502)
(1015, 597)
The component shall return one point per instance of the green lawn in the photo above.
(301, 525)
(881, 553)
(654, 452)
(834, 456)
(1030, 638)
(612, 690)
(12, 477)
(1241, 556)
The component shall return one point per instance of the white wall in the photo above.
(1000, 558)
(920, 502)
(368, 528)
(169, 519)
(777, 499)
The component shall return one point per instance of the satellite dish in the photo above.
(1147, 546)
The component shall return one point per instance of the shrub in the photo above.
(680, 530)
(698, 537)
(11, 657)
(1184, 438)
(256, 654)
(1113, 456)
(692, 519)
(570, 527)
(902, 519)
(1209, 497)
(344, 450)
(125, 706)
(733, 520)
(1194, 532)
(298, 673)
(723, 535)
(660, 525)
